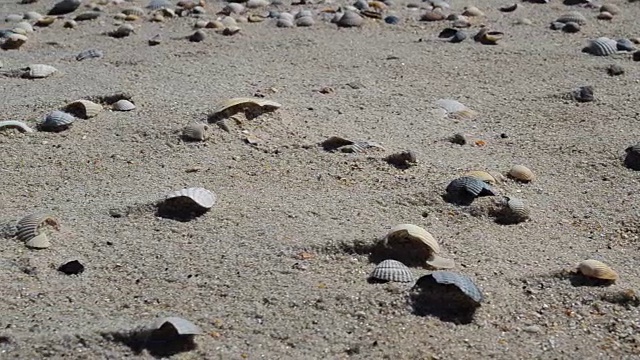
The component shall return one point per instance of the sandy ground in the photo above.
(236, 271)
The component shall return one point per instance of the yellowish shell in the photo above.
(232, 106)
(45, 21)
(131, 17)
(482, 175)
(521, 173)
(597, 269)
(83, 109)
(422, 240)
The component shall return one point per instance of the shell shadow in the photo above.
(179, 210)
(443, 301)
(576, 279)
(459, 199)
(160, 343)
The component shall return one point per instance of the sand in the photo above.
(274, 270)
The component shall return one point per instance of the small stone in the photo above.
(71, 268)
(571, 27)
(534, 329)
(636, 56)
(459, 139)
(615, 69)
(583, 94)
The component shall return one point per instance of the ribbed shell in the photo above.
(84, 109)
(197, 131)
(455, 109)
(392, 270)
(469, 185)
(31, 225)
(15, 124)
(482, 175)
(123, 105)
(602, 46)
(522, 173)
(572, 16)
(159, 4)
(518, 208)
(597, 269)
(40, 71)
(200, 196)
(462, 282)
(350, 19)
(89, 54)
(180, 325)
(57, 120)
(360, 146)
(134, 10)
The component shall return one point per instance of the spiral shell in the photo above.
(56, 120)
(33, 225)
(417, 245)
(572, 16)
(83, 109)
(89, 54)
(123, 105)
(198, 131)
(602, 46)
(391, 270)
(597, 270)
(179, 325)
(521, 173)
(40, 71)
(350, 19)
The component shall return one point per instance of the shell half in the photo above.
(392, 270)
(597, 270)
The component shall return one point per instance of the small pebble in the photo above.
(615, 69)
(71, 268)
(583, 94)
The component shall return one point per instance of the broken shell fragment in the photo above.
(33, 225)
(40, 241)
(123, 105)
(251, 106)
(177, 324)
(414, 246)
(455, 110)
(89, 54)
(186, 204)
(391, 270)
(198, 131)
(521, 173)
(597, 270)
(482, 175)
(83, 109)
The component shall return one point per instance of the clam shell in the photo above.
(632, 159)
(84, 109)
(418, 243)
(235, 105)
(57, 120)
(472, 11)
(122, 31)
(254, 4)
(40, 241)
(392, 270)
(350, 19)
(64, 7)
(482, 175)
(15, 124)
(572, 16)
(40, 71)
(462, 282)
(198, 131)
(179, 325)
(123, 105)
(32, 15)
(233, 8)
(597, 269)
(89, 54)
(605, 16)
(200, 196)
(45, 21)
(521, 173)
(463, 190)
(284, 23)
(433, 15)
(305, 21)
(455, 109)
(32, 225)
(602, 46)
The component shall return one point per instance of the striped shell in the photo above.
(40, 71)
(15, 124)
(462, 282)
(57, 120)
(350, 19)
(360, 146)
(454, 109)
(198, 131)
(419, 242)
(134, 10)
(465, 189)
(482, 175)
(158, 4)
(521, 173)
(83, 109)
(179, 325)
(199, 196)
(122, 31)
(123, 105)
(392, 270)
(597, 269)
(32, 225)
(89, 54)
(602, 46)
(572, 16)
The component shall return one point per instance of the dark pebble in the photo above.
(71, 268)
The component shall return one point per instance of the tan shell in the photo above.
(597, 269)
(84, 109)
(198, 131)
(422, 239)
(521, 173)
(482, 175)
(40, 71)
(232, 106)
(123, 105)
(472, 11)
(32, 225)
(45, 21)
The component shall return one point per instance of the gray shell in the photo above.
(284, 23)
(625, 45)
(57, 120)
(158, 4)
(180, 325)
(40, 71)
(305, 21)
(89, 54)
(350, 19)
(89, 15)
(462, 282)
(572, 16)
(360, 146)
(198, 131)
(468, 187)
(602, 46)
(123, 105)
(392, 270)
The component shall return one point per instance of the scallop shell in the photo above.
(57, 120)
(521, 173)
(40, 71)
(40, 241)
(134, 10)
(350, 19)
(572, 16)
(465, 189)
(392, 270)
(305, 21)
(235, 105)
(632, 159)
(197, 131)
(462, 282)
(422, 244)
(33, 225)
(179, 325)
(482, 175)
(64, 7)
(84, 109)
(472, 11)
(200, 196)
(89, 54)
(456, 110)
(123, 105)
(15, 124)
(597, 269)
(602, 46)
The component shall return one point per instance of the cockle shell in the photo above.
(40, 71)
(123, 105)
(179, 325)
(513, 211)
(199, 196)
(392, 270)
(56, 120)
(89, 54)
(235, 105)
(417, 244)
(572, 16)
(597, 270)
(33, 225)
(610, 8)
(455, 109)
(198, 131)
(465, 189)
(350, 19)
(461, 283)
(15, 124)
(482, 175)
(83, 109)
(602, 46)
(521, 173)
(605, 16)
(158, 4)
(305, 21)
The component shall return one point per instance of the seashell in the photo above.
(463, 190)
(166, 12)
(15, 124)
(56, 121)
(378, 5)
(254, 4)
(572, 16)
(392, 270)
(286, 15)
(231, 30)
(303, 13)
(512, 211)
(455, 110)
(371, 14)
(233, 8)
(449, 284)
(583, 94)
(392, 20)
(508, 8)
(25, 26)
(70, 24)
(158, 4)
(350, 19)
(610, 8)
(200, 24)
(416, 246)
(33, 225)
(200, 196)
(155, 40)
(14, 41)
(19, 31)
(472, 11)
(91, 15)
(176, 325)
(32, 15)
(487, 37)
(615, 70)
(198, 10)
(157, 17)
(521, 173)
(284, 23)
(89, 54)
(439, 4)
(361, 5)
(83, 109)
(305, 21)
(134, 10)
(458, 36)
(45, 21)
(228, 21)
(482, 175)
(13, 18)
(625, 45)
(40, 71)
(197, 36)
(571, 27)
(119, 16)
(597, 270)
(123, 105)
(605, 16)
(433, 15)
(186, 204)
(64, 7)
(601, 46)
(131, 18)
(215, 24)
(255, 18)
(122, 31)
(632, 159)
(197, 131)
(40, 241)
(232, 106)
(523, 21)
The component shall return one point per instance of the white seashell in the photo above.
(40, 71)
(417, 244)
(392, 270)
(15, 124)
(200, 196)
(33, 225)
(179, 325)
(597, 269)
(32, 15)
(84, 109)
(40, 241)
(572, 16)
(123, 105)
(56, 120)
(197, 131)
(25, 26)
(455, 109)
